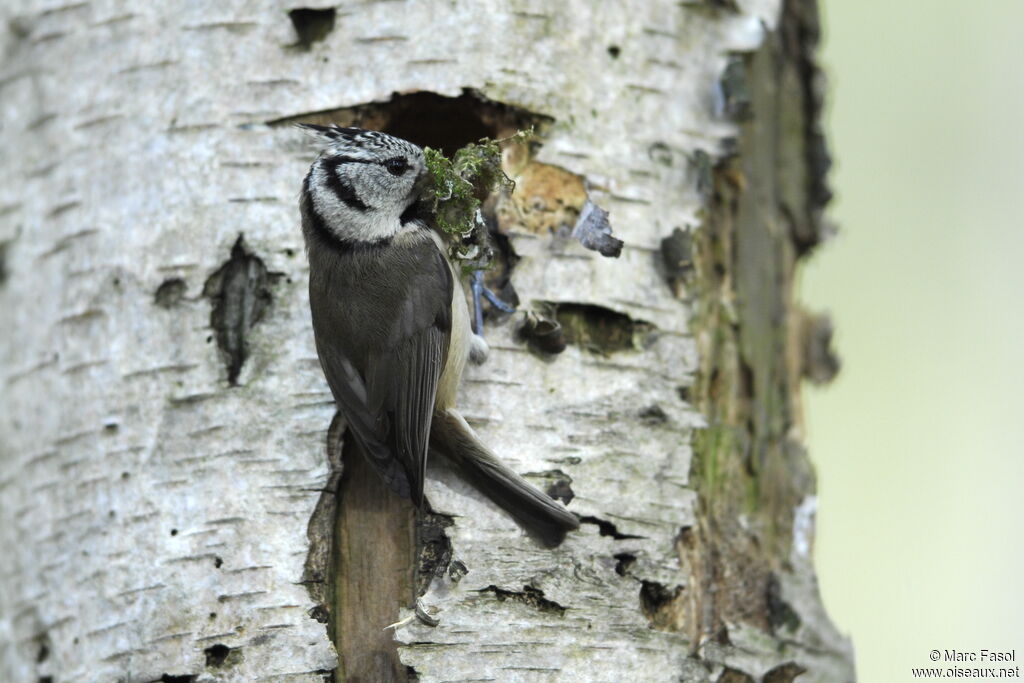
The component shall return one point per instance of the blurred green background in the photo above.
(919, 442)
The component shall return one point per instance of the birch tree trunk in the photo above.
(169, 509)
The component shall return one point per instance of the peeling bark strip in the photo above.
(595, 232)
(374, 574)
(312, 25)
(168, 526)
(528, 596)
(754, 353)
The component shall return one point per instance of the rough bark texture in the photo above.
(168, 507)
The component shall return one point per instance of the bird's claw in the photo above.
(481, 291)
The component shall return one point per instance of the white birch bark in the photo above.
(151, 511)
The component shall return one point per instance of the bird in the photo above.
(391, 323)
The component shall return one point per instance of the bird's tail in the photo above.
(538, 513)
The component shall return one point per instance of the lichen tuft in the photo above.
(460, 186)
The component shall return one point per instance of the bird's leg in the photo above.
(478, 354)
(480, 290)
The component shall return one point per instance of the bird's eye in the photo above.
(396, 165)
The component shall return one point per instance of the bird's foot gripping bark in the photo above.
(479, 349)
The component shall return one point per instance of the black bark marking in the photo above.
(734, 676)
(677, 259)
(312, 25)
(784, 673)
(217, 655)
(820, 362)
(528, 596)
(654, 595)
(737, 101)
(4, 271)
(701, 167)
(800, 34)
(170, 293)
(561, 490)
(45, 647)
(434, 549)
(780, 614)
(624, 563)
(239, 292)
(606, 528)
(659, 604)
(654, 415)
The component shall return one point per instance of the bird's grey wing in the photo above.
(402, 376)
(369, 428)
